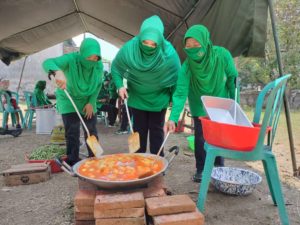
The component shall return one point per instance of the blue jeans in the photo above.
(72, 134)
(200, 153)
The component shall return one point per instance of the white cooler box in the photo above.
(45, 120)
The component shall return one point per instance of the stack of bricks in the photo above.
(120, 208)
(84, 207)
(94, 206)
(84, 203)
(85, 200)
(173, 210)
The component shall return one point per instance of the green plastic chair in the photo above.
(272, 94)
(9, 109)
(31, 103)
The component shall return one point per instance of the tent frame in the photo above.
(296, 171)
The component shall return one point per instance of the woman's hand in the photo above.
(60, 79)
(123, 93)
(88, 110)
(169, 126)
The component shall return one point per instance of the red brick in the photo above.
(169, 205)
(106, 192)
(85, 197)
(119, 201)
(120, 213)
(84, 208)
(83, 185)
(149, 192)
(84, 216)
(191, 218)
(85, 222)
(121, 221)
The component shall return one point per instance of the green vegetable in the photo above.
(47, 152)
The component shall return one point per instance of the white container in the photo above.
(58, 119)
(45, 120)
(225, 110)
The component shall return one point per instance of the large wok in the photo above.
(172, 152)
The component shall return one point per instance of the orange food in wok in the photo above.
(120, 167)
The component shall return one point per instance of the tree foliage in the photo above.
(259, 71)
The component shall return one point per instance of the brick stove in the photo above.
(136, 206)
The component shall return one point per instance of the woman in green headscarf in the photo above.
(207, 70)
(41, 97)
(81, 74)
(151, 65)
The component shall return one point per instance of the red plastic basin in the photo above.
(53, 165)
(230, 136)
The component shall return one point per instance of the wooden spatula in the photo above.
(134, 137)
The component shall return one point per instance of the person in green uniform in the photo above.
(113, 92)
(81, 74)
(151, 65)
(41, 97)
(207, 70)
(104, 101)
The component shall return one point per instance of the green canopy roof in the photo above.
(29, 26)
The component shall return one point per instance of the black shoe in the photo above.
(18, 126)
(16, 132)
(197, 177)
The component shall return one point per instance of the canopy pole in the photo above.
(183, 20)
(285, 100)
(80, 16)
(21, 76)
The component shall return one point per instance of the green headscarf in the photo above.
(42, 99)
(84, 74)
(208, 70)
(40, 85)
(205, 63)
(148, 69)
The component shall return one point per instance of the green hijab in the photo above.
(148, 69)
(205, 63)
(40, 85)
(83, 79)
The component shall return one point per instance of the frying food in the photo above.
(120, 167)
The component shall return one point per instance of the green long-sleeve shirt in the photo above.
(41, 98)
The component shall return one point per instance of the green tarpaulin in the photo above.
(29, 26)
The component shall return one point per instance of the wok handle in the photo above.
(65, 168)
(174, 151)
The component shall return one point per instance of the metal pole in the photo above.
(22, 71)
(285, 100)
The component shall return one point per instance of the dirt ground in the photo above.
(51, 202)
